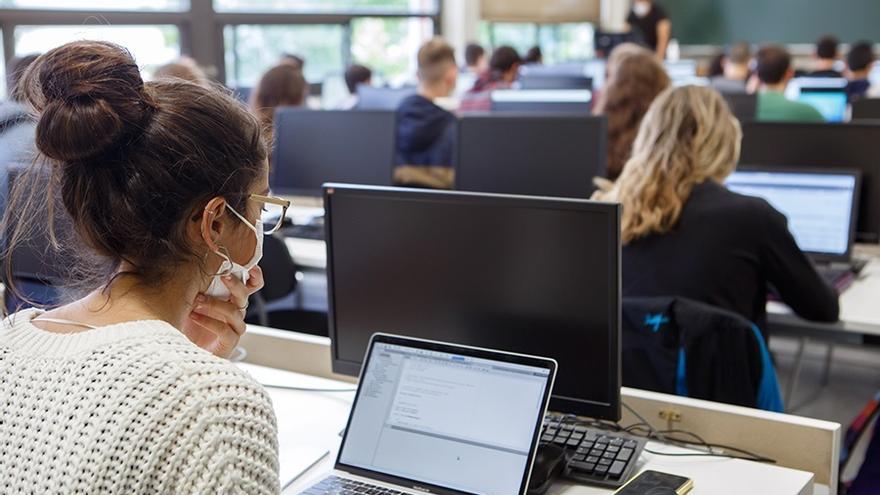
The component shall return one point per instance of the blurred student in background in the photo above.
(774, 73)
(827, 54)
(355, 76)
(425, 132)
(183, 68)
(16, 126)
(859, 62)
(292, 59)
(736, 72)
(503, 71)
(651, 22)
(475, 59)
(534, 56)
(635, 78)
(281, 86)
(685, 234)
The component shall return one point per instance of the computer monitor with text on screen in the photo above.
(820, 205)
(521, 274)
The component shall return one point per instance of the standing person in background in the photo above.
(651, 21)
(635, 78)
(475, 59)
(503, 71)
(774, 73)
(355, 76)
(426, 133)
(827, 53)
(281, 86)
(534, 56)
(859, 62)
(736, 70)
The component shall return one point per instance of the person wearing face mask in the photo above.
(129, 388)
(426, 132)
(650, 20)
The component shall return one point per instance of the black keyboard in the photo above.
(838, 277)
(594, 457)
(334, 485)
(305, 231)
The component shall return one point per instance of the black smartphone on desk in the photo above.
(656, 483)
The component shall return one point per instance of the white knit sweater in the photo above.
(128, 408)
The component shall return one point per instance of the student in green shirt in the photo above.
(774, 72)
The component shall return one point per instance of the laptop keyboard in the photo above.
(334, 485)
(595, 457)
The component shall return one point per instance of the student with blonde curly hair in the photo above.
(687, 235)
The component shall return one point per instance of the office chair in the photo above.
(683, 347)
(279, 276)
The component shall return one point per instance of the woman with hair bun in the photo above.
(128, 389)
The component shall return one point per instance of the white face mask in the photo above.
(217, 288)
(641, 9)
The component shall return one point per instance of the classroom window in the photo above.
(151, 46)
(389, 45)
(252, 49)
(104, 5)
(559, 43)
(424, 7)
(2, 72)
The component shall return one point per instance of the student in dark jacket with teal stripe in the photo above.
(686, 235)
(426, 133)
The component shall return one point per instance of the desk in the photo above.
(302, 414)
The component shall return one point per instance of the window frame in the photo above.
(201, 27)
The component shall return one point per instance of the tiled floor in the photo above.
(854, 379)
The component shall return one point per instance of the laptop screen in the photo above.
(458, 422)
(819, 206)
(831, 104)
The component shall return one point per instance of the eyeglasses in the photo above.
(273, 212)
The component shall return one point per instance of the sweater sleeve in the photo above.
(223, 438)
(792, 273)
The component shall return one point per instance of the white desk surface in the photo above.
(319, 417)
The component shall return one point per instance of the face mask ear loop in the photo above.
(223, 253)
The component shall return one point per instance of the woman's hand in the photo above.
(216, 325)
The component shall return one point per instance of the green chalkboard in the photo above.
(704, 22)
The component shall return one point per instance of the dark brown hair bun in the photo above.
(91, 101)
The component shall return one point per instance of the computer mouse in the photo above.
(549, 463)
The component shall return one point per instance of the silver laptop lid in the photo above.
(441, 418)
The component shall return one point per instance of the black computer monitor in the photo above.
(571, 101)
(538, 276)
(866, 109)
(537, 155)
(373, 98)
(827, 146)
(555, 81)
(744, 106)
(242, 93)
(314, 147)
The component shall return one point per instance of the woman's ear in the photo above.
(211, 225)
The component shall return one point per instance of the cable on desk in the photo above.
(308, 389)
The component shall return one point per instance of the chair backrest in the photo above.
(279, 270)
(678, 346)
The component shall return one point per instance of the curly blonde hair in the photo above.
(687, 137)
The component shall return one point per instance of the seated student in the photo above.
(475, 59)
(425, 132)
(502, 73)
(859, 62)
(634, 78)
(736, 70)
(534, 56)
(281, 86)
(774, 73)
(184, 68)
(827, 53)
(16, 126)
(686, 235)
(129, 390)
(355, 76)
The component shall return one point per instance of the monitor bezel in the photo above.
(611, 410)
(854, 208)
(470, 351)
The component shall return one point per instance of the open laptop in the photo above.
(439, 418)
(821, 208)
